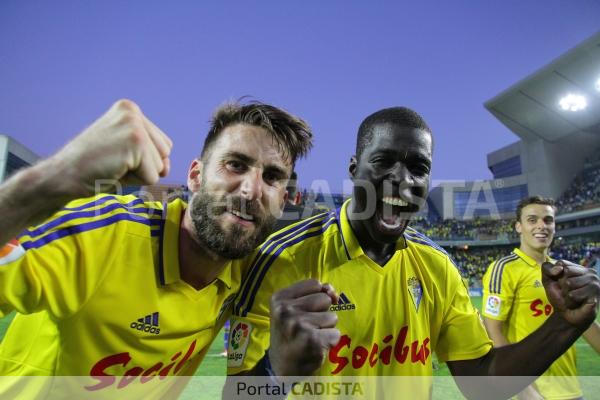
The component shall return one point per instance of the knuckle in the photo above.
(126, 105)
(293, 327)
(136, 136)
(281, 310)
(334, 318)
(326, 299)
(313, 339)
(313, 283)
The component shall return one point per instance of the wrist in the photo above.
(44, 188)
(559, 323)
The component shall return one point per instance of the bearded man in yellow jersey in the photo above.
(124, 294)
(515, 303)
(399, 295)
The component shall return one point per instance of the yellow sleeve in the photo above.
(498, 292)
(249, 335)
(462, 336)
(56, 266)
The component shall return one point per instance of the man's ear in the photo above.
(194, 178)
(285, 199)
(518, 227)
(352, 166)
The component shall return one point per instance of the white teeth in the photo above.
(242, 216)
(394, 201)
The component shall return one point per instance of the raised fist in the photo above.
(302, 328)
(122, 146)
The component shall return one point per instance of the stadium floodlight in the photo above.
(573, 102)
(598, 85)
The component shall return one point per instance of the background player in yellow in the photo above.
(112, 286)
(400, 296)
(515, 303)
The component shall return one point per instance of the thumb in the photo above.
(552, 271)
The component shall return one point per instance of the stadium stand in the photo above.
(584, 191)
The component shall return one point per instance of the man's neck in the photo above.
(198, 266)
(376, 251)
(539, 256)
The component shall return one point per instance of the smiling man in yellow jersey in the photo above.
(122, 293)
(399, 296)
(515, 303)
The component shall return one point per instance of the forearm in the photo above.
(494, 331)
(534, 354)
(31, 195)
(506, 371)
(592, 336)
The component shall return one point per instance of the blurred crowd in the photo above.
(475, 229)
(584, 191)
(473, 261)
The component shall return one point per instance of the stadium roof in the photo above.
(531, 109)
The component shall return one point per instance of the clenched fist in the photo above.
(573, 291)
(302, 328)
(121, 146)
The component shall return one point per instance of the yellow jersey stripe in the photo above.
(497, 269)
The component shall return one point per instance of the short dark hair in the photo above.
(401, 116)
(292, 134)
(546, 201)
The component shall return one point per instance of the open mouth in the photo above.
(541, 236)
(393, 214)
(243, 216)
(394, 201)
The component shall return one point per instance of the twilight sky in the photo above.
(63, 63)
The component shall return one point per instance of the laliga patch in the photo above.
(11, 251)
(239, 337)
(416, 291)
(492, 306)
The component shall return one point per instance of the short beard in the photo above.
(235, 242)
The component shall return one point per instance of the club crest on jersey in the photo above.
(238, 341)
(10, 252)
(416, 291)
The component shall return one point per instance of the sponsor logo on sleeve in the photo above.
(238, 341)
(12, 251)
(493, 305)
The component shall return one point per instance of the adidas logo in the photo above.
(537, 284)
(344, 304)
(149, 324)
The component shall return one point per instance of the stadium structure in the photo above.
(14, 156)
(555, 113)
(556, 137)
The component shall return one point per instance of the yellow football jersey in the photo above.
(98, 295)
(513, 293)
(391, 318)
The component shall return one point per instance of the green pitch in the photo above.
(214, 366)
